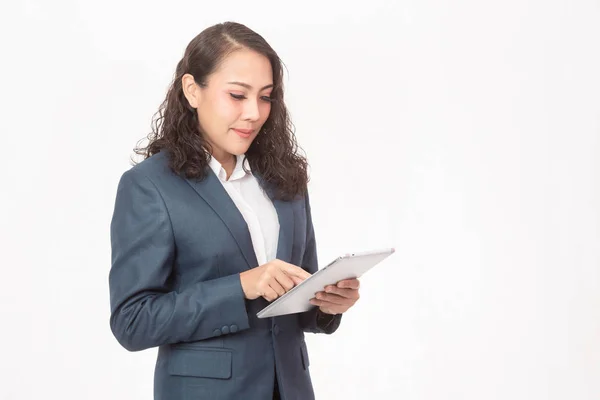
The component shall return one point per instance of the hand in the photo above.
(339, 298)
(271, 280)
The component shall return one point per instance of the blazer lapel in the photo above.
(211, 190)
(285, 213)
(215, 195)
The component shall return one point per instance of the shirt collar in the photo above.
(238, 171)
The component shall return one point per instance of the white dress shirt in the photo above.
(254, 205)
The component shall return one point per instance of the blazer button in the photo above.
(225, 330)
(233, 328)
(217, 332)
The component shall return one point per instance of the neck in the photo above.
(227, 161)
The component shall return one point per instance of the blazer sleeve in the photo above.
(314, 320)
(145, 311)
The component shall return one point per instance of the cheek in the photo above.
(215, 116)
(265, 111)
(226, 109)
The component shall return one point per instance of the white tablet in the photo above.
(349, 266)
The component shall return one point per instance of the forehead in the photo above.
(245, 66)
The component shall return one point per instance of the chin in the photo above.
(238, 150)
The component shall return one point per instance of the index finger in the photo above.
(295, 271)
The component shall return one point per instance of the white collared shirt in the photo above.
(254, 205)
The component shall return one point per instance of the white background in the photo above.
(465, 133)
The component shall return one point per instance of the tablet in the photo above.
(348, 266)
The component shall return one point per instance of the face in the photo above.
(234, 104)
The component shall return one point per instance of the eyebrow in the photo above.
(249, 86)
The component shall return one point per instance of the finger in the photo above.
(297, 272)
(293, 270)
(285, 281)
(269, 294)
(330, 311)
(277, 288)
(296, 280)
(347, 293)
(328, 307)
(334, 298)
(349, 284)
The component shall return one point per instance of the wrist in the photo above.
(244, 283)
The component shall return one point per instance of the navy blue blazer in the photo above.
(178, 247)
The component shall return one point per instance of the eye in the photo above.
(237, 96)
(267, 99)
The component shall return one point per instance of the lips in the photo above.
(245, 133)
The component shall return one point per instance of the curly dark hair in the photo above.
(176, 129)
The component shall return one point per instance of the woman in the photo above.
(214, 224)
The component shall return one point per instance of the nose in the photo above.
(251, 111)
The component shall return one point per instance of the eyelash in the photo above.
(242, 97)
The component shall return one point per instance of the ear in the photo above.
(191, 90)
